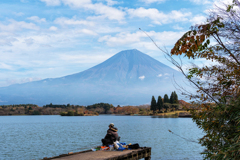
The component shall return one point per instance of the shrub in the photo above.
(36, 113)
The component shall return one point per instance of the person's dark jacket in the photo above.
(112, 134)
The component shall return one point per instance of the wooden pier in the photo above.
(133, 154)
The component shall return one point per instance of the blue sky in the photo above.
(52, 38)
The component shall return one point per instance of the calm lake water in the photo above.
(35, 137)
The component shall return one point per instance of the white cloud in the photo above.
(7, 34)
(99, 8)
(53, 28)
(18, 13)
(198, 19)
(159, 17)
(168, 37)
(73, 21)
(21, 80)
(18, 25)
(152, 1)
(45, 45)
(52, 2)
(107, 11)
(121, 38)
(29, 79)
(126, 38)
(7, 41)
(160, 75)
(44, 39)
(142, 77)
(24, 1)
(177, 27)
(77, 3)
(5, 66)
(29, 41)
(2, 101)
(86, 31)
(111, 2)
(201, 1)
(37, 19)
(108, 29)
(84, 58)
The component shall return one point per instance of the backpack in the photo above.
(133, 146)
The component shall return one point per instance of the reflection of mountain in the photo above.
(129, 77)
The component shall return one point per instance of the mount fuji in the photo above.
(129, 77)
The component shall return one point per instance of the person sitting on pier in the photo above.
(111, 135)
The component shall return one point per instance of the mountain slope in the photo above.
(129, 77)
(125, 66)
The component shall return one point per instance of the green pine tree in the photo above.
(159, 103)
(166, 99)
(172, 98)
(175, 100)
(153, 106)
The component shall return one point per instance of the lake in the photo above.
(35, 137)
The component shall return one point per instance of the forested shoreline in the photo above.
(70, 110)
(161, 107)
(77, 110)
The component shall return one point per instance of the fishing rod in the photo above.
(186, 139)
(87, 147)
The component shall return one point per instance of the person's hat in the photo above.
(111, 124)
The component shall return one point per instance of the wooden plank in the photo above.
(133, 154)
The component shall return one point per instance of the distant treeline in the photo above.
(20, 109)
(61, 106)
(19, 105)
(70, 110)
(95, 109)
